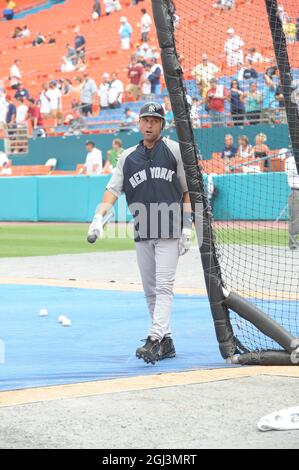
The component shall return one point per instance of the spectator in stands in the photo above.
(244, 148)
(224, 4)
(87, 95)
(195, 112)
(204, 72)
(116, 5)
(130, 120)
(229, 150)
(155, 77)
(39, 40)
(104, 90)
(168, 113)
(96, 10)
(245, 73)
(25, 32)
(283, 15)
(11, 113)
(3, 107)
(71, 54)
(51, 38)
(146, 87)
(269, 102)
(115, 92)
(94, 160)
(79, 46)
(109, 6)
(135, 74)
(70, 60)
(215, 99)
(34, 114)
(145, 25)
(125, 33)
(253, 103)
(21, 113)
(237, 107)
(113, 155)
(5, 169)
(9, 10)
(17, 34)
(15, 75)
(255, 57)
(233, 48)
(21, 92)
(260, 150)
(55, 96)
(45, 102)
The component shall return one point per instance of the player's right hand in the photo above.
(95, 229)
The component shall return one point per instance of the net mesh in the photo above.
(240, 125)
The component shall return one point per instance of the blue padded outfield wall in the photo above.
(69, 151)
(74, 198)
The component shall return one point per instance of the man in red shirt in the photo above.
(135, 73)
(34, 114)
(215, 99)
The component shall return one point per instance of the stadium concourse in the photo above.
(81, 385)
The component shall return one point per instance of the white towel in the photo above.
(281, 420)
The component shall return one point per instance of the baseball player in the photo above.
(293, 200)
(151, 174)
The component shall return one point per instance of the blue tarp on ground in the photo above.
(106, 329)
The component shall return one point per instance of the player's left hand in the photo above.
(185, 241)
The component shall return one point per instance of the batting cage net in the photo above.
(231, 71)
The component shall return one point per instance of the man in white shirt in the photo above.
(55, 95)
(233, 49)
(145, 25)
(3, 107)
(45, 102)
(22, 113)
(15, 75)
(94, 160)
(205, 71)
(293, 201)
(115, 92)
(103, 91)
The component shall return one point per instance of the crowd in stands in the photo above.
(241, 99)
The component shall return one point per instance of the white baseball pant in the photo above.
(157, 261)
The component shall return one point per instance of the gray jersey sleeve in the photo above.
(115, 185)
(175, 149)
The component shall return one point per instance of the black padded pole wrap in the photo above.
(162, 12)
(260, 320)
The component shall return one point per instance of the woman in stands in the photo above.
(244, 149)
(237, 107)
(261, 150)
(253, 104)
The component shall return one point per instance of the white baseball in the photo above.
(66, 322)
(61, 318)
(43, 312)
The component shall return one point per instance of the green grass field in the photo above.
(51, 239)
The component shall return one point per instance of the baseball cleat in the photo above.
(167, 349)
(149, 352)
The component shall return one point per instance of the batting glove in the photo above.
(185, 241)
(95, 229)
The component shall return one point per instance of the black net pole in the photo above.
(163, 16)
(283, 64)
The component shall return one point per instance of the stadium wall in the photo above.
(69, 151)
(74, 198)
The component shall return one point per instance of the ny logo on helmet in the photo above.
(152, 108)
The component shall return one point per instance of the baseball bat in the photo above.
(92, 237)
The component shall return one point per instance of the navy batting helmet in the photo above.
(153, 109)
